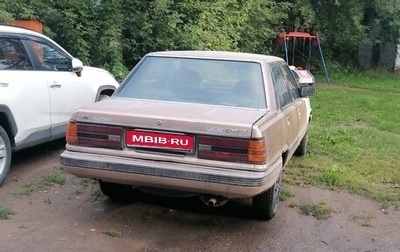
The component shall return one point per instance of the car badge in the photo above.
(159, 122)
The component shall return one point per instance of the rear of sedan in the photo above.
(179, 123)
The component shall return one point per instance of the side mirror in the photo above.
(306, 91)
(77, 66)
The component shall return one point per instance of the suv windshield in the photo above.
(202, 81)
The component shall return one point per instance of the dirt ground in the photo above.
(71, 217)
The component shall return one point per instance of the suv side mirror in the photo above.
(77, 66)
(306, 91)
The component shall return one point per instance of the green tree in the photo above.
(115, 34)
(107, 46)
(72, 23)
(343, 24)
(4, 14)
(262, 21)
(148, 26)
(211, 25)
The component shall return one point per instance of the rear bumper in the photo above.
(167, 175)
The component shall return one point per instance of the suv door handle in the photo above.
(55, 85)
(3, 84)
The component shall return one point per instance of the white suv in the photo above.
(41, 84)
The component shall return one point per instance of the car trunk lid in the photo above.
(172, 117)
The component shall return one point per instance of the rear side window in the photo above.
(281, 88)
(13, 55)
(294, 89)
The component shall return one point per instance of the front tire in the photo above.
(116, 191)
(302, 148)
(5, 155)
(265, 205)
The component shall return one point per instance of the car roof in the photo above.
(218, 55)
(19, 30)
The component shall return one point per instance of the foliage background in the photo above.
(115, 34)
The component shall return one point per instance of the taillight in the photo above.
(71, 135)
(232, 149)
(92, 135)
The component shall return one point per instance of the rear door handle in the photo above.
(3, 84)
(55, 85)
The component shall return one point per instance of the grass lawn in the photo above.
(354, 139)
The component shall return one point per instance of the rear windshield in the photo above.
(202, 81)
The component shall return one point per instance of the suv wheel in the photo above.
(5, 155)
(265, 205)
(302, 148)
(116, 191)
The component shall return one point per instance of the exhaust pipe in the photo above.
(213, 200)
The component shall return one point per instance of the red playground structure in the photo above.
(298, 48)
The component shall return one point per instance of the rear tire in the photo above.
(302, 148)
(116, 191)
(265, 205)
(5, 155)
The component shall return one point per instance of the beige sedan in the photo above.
(220, 125)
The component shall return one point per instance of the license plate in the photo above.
(137, 138)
